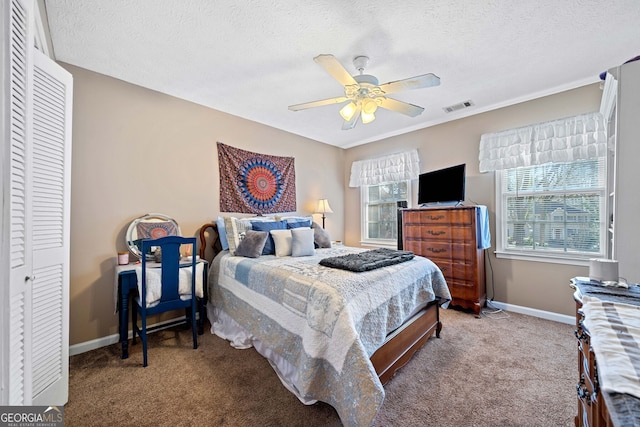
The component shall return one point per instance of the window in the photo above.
(380, 209)
(555, 210)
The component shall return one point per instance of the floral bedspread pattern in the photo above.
(326, 322)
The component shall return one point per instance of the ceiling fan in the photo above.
(364, 93)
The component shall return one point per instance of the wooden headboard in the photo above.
(209, 245)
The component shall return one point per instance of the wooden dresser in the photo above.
(449, 237)
(592, 409)
(597, 407)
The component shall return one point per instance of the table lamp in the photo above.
(323, 207)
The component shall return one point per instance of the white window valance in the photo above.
(574, 138)
(392, 168)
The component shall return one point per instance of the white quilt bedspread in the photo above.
(323, 321)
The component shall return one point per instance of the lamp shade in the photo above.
(367, 117)
(348, 111)
(323, 206)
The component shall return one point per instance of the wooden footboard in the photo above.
(401, 344)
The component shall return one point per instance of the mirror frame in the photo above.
(132, 232)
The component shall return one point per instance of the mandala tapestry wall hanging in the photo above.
(255, 183)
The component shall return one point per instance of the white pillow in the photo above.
(302, 242)
(282, 240)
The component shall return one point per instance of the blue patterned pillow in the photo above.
(269, 246)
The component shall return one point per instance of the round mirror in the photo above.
(149, 226)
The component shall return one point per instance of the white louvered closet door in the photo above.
(50, 222)
(37, 126)
(16, 255)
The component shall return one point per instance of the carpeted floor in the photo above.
(499, 370)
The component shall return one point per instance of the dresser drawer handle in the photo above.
(436, 233)
(436, 251)
(435, 218)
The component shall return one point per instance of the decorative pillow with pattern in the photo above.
(235, 229)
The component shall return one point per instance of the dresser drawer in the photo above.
(448, 217)
(441, 249)
(463, 289)
(459, 271)
(440, 233)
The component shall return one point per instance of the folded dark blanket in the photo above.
(369, 260)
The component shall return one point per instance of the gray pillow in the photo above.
(252, 244)
(320, 236)
(302, 242)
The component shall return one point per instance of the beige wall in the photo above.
(137, 151)
(542, 286)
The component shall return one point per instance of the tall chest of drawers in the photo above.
(448, 236)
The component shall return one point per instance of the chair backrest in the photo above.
(170, 266)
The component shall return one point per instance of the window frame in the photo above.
(581, 259)
(364, 203)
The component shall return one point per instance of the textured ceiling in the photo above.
(255, 58)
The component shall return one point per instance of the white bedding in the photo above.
(154, 282)
(318, 326)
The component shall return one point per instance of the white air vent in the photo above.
(460, 106)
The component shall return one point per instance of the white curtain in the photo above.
(574, 138)
(391, 168)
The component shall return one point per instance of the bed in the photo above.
(331, 335)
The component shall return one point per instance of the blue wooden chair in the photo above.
(169, 277)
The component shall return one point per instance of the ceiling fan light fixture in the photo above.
(369, 106)
(367, 117)
(364, 94)
(348, 111)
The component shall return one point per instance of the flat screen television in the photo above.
(442, 186)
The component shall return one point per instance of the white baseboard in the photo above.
(548, 315)
(111, 339)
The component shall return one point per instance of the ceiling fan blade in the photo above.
(401, 107)
(417, 82)
(350, 124)
(335, 68)
(320, 103)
